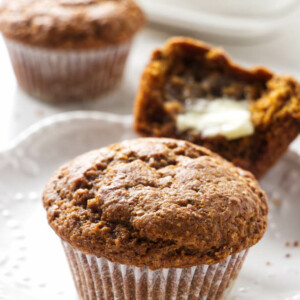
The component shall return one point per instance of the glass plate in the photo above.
(32, 262)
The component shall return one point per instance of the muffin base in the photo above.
(97, 279)
(67, 75)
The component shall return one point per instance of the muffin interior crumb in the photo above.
(191, 81)
(186, 70)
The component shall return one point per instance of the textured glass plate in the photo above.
(32, 262)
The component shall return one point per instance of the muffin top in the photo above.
(162, 203)
(70, 23)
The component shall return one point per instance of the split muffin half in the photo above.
(194, 92)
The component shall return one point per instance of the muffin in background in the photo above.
(194, 92)
(64, 50)
(155, 218)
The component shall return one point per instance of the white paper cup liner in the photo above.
(66, 75)
(98, 279)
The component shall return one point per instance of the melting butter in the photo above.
(225, 117)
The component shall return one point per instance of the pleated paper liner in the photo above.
(67, 75)
(99, 279)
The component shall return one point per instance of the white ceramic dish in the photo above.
(32, 262)
(230, 18)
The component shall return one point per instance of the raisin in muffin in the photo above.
(153, 216)
(194, 92)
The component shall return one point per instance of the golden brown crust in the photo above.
(68, 24)
(156, 202)
(275, 102)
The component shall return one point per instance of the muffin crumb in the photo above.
(184, 72)
(277, 202)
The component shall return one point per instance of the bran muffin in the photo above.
(69, 49)
(153, 216)
(194, 92)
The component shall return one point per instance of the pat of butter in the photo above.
(226, 117)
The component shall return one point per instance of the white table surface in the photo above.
(18, 111)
